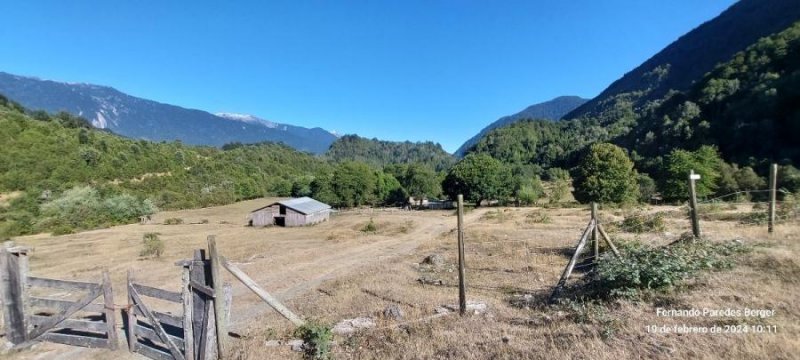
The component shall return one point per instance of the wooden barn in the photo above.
(293, 212)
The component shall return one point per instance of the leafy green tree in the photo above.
(705, 161)
(606, 175)
(421, 182)
(747, 179)
(647, 187)
(354, 184)
(478, 177)
(528, 191)
(388, 190)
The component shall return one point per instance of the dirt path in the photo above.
(288, 262)
(308, 275)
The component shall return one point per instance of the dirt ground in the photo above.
(335, 271)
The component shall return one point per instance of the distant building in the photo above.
(293, 212)
(432, 204)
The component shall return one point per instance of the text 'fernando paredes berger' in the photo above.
(706, 312)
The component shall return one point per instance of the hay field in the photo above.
(334, 271)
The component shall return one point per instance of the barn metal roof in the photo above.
(305, 205)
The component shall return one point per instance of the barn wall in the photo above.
(318, 217)
(294, 218)
(264, 217)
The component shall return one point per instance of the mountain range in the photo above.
(130, 116)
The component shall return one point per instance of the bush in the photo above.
(658, 268)
(153, 245)
(370, 227)
(538, 217)
(173, 221)
(317, 338)
(642, 223)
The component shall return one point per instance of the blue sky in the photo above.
(395, 70)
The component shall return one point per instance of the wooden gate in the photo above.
(154, 334)
(35, 312)
(163, 336)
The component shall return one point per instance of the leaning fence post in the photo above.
(595, 242)
(219, 306)
(462, 287)
(693, 202)
(773, 184)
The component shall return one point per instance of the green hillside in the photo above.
(49, 164)
(748, 108)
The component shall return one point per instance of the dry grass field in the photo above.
(335, 271)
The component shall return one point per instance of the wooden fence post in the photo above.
(595, 242)
(13, 285)
(219, 306)
(462, 286)
(693, 202)
(773, 184)
(110, 312)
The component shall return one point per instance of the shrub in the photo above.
(558, 190)
(642, 223)
(657, 268)
(317, 338)
(538, 217)
(173, 221)
(370, 227)
(153, 245)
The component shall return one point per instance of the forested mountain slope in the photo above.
(380, 153)
(551, 110)
(687, 59)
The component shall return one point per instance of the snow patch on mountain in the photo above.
(248, 119)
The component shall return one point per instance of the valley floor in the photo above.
(334, 271)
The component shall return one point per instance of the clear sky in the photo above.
(395, 70)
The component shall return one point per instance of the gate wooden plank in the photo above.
(75, 340)
(151, 353)
(150, 334)
(62, 305)
(84, 325)
(61, 284)
(169, 319)
(157, 293)
(55, 320)
(188, 334)
(197, 273)
(157, 326)
(131, 315)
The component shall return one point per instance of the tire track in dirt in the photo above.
(340, 264)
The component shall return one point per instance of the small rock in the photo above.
(441, 310)
(506, 339)
(296, 345)
(272, 343)
(472, 306)
(434, 259)
(393, 312)
(349, 326)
